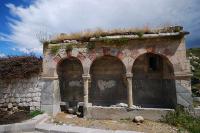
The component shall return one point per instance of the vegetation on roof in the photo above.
(85, 36)
(19, 67)
(54, 49)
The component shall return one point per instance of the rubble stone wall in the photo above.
(25, 93)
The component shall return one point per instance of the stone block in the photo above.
(7, 100)
(47, 93)
(28, 99)
(37, 89)
(10, 105)
(17, 95)
(25, 104)
(32, 108)
(23, 99)
(29, 95)
(12, 99)
(36, 104)
(17, 100)
(20, 104)
(32, 94)
(38, 94)
(23, 95)
(5, 96)
(31, 90)
(2, 100)
(37, 99)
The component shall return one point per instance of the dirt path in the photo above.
(147, 126)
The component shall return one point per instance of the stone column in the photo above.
(129, 86)
(50, 95)
(56, 97)
(86, 78)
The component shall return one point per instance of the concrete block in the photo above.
(56, 109)
(47, 93)
(47, 108)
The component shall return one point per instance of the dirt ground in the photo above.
(8, 118)
(147, 126)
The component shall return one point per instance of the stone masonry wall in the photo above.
(25, 93)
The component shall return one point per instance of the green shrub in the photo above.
(90, 46)
(116, 41)
(35, 113)
(183, 120)
(55, 49)
(140, 34)
(69, 47)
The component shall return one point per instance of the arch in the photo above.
(107, 81)
(153, 81)
(70, 72)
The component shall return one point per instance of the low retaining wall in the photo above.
(196, 99)
(117, 113)
(25, 93)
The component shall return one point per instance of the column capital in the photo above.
(129, 75)
(86, 76)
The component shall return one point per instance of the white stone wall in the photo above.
(24, 93)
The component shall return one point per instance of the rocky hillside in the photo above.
(194, 56)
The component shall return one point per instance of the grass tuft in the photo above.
(55, 49)
(183, 120)
(35, 113)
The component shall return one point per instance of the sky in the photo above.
(24, 22)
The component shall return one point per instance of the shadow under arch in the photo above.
(153, 82)
(70, 72)
(107, 81)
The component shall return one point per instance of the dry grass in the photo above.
(86, 35)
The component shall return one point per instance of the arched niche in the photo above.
(153, 82)
(70, 72)
(107, 82)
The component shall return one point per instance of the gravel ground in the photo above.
(147, 126)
